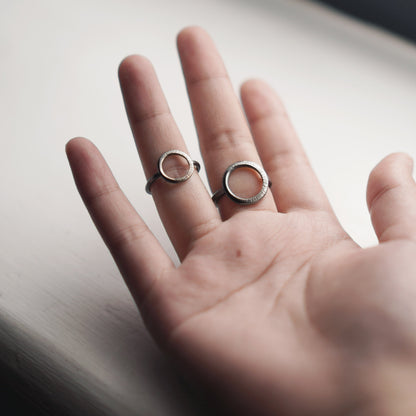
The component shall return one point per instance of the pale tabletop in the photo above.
(68, 327)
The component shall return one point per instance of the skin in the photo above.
(273, 309)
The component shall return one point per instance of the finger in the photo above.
(391, 198)
(185, 208)
(138, 254)
(295, 185)
(222, 129)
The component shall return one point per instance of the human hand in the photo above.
(273, 306)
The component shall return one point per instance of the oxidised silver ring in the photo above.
(226, 190)
(192, 165)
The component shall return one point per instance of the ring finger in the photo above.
(223, 132)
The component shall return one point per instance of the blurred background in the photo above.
(399, 16)
(347, 73)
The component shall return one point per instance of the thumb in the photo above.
(391, 198)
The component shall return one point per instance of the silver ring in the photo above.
(192, 165)
(226, 190)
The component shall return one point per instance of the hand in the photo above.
(273, 307)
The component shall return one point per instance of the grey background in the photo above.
(399, 16)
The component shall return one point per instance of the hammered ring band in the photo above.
(161, 173)
(226, 190)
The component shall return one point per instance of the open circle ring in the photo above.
(226, 190)
(192, 165)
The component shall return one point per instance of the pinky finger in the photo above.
(139, 256)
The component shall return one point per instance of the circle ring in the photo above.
(226, 190)
(192, 165)
(171, 179)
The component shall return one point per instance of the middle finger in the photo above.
(223, 132)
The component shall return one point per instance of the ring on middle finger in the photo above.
(227, 191)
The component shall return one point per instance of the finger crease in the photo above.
(151, 115)
(381, 192)
(201, 230)
(285, 160)
(267, 116)
(105, 191)
(124, 237)
(202, 80)
(227, 139)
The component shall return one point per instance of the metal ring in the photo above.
(226, 190)
(192, 165)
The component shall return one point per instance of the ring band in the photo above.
(192, 165)
(226, 190)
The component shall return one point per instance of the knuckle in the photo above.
(285, 159)
(97, 195)
(227, 138)
(148, 117)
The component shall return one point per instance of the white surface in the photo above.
(67, 323)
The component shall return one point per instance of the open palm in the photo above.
(273, 305)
